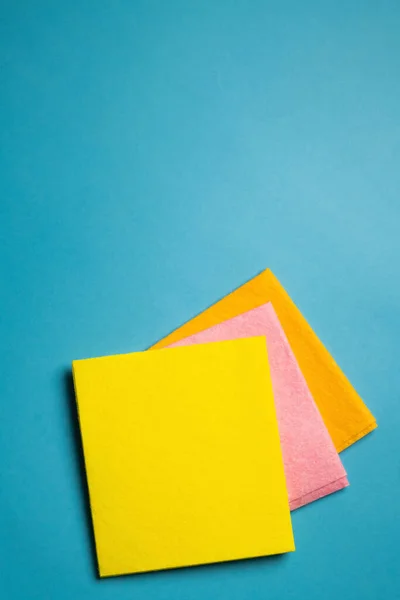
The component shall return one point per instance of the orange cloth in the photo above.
(346, 416)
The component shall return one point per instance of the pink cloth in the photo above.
(312, 466)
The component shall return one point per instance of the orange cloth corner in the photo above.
(346, 416)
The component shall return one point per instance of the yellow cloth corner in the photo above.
(346, 416)
(183, 456)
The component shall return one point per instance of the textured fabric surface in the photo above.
(183, 457)
(346, 416)
(313, 468)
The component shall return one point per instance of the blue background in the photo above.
(155, 155)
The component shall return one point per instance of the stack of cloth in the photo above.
(197, 450)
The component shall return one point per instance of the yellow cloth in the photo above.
(183, 456)
(346, 416)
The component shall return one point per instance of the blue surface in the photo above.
(155, 155)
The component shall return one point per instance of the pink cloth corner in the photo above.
(313, 468)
